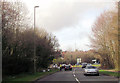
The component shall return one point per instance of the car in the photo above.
(84, 65)
(68, 67)
(62, 66)
(91, 70)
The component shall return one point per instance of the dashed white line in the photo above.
(77, 80)
(74, 75)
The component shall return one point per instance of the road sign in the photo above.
(54, 60)
(78, 60)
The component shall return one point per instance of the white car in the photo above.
(91, 70)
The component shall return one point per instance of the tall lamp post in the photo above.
(34, 42)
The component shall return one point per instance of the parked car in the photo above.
(91, 70)
(68, 67)
(84, 65)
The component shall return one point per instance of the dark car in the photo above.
(62, 66)
(84, 65)
(68, 67)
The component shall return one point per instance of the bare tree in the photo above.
(105, 38)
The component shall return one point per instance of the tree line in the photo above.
(70, 57)
(18, 41)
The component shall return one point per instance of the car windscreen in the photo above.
(90, 67)
(67, 66)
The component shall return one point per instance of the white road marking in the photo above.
(74, 75)
(77, 80)
(74, 71)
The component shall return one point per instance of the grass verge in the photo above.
(111, 73)
(28, 77)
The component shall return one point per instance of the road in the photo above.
(76, 76)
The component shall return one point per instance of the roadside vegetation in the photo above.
(18, 42)
(105, 39)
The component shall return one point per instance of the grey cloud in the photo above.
(61, 14)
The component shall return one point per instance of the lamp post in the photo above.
(34, 42)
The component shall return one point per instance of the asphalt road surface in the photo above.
(76, 76)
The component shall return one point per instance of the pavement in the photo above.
(76, 76)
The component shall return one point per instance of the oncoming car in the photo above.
(91, 70)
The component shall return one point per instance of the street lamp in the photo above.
(34, 42)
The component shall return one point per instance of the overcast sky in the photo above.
(69, 20)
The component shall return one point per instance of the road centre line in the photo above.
(77, 80)
(74, 75)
